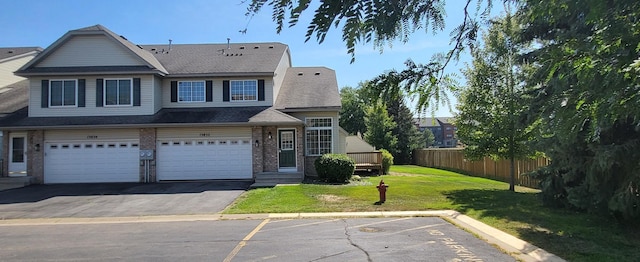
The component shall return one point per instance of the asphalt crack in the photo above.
(346, 233)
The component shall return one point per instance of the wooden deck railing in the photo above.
(367, 160)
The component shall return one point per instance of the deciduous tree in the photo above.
(491, 106)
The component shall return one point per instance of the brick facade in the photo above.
(35, 155)
(257, 151)
(148, 142)
(270, 154)
(5, 155)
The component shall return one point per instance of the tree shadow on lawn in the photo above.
(557, 231)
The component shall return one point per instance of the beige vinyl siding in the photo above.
(337, 148)
(90, 51)
(8, 67)
(217, 93)
(157, 93)
(281, 71)
(91, 134)
(203, 133)
(146, 99)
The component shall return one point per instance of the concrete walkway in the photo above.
(511, 245)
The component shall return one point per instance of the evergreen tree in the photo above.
(587, 94)
(379, 127)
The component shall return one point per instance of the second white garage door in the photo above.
(198, 159)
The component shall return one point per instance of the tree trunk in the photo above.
(512, 171)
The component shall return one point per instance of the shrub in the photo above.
(335, 168)
(387, 161)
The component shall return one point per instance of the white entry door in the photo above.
(17, 154)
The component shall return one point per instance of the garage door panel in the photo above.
(91, 162)
(193, 159)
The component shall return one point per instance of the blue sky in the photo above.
(40, 23)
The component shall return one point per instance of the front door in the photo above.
(17, 155)
(287, 150)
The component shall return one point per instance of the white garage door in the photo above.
(195, 159)
(91, 162)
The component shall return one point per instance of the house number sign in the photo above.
(205, 134)
(92, 137)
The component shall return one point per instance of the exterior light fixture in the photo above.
(270, 135)
(257, 143)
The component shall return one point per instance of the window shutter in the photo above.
(260, 89)
(225, 90)
(99, 92)
(174, 91)
(209, 91)
(44, 103)
(81, 92)
(136, 92)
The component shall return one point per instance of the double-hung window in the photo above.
(63, 93)
(244, 90)
(319, 136)
(118, 92)
(191, 91)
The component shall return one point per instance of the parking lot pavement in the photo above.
(119, 199)
(325, 239)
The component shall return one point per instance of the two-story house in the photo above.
(103, 109)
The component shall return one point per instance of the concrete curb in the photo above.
(517, 248)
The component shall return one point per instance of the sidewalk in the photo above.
(511, 245)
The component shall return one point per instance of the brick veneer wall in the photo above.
(257, 152)
(35, 159)
(270, 149)
(148, 142)
(5, 155)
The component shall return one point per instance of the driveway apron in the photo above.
(119, 199)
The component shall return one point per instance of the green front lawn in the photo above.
(570, 235)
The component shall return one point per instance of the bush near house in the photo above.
(387, 161)
(335, 168)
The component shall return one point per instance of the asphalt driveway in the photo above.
(119, 199)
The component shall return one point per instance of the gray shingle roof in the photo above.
(14, 97)
(167, 116)
(429, 122)
(305, 86)
(7, 52)
(219, 59)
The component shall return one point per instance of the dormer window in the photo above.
(118, 92)
(63, 93)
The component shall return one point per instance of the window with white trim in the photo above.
(319, 136)
(244, 90)
(63, 93)
(118, 92)
(191, 91)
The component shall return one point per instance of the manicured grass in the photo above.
(570, 235)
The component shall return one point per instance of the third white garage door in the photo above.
(199, 159)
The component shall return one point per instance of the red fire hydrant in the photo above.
(382, 188)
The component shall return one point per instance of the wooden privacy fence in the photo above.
(453, 159)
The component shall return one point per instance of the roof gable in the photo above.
(93, 46)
